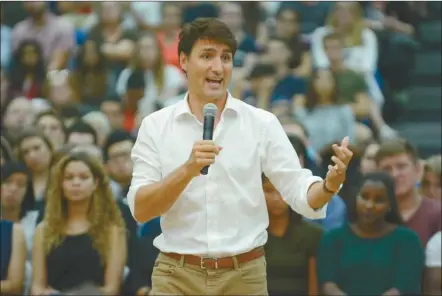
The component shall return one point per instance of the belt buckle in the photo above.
(204, 258)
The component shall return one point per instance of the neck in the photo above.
(40, 177)
(111, 27)
(371, 230)
(12, 214)
(279, 223)
(196, 105)
(78, 210)
(409, 201)
(337, 65)
(39, 20)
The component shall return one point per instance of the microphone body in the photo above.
(209, 111)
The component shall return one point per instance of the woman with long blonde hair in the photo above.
(81, 239)
(360, 43)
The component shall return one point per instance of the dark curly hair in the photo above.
(205, 29)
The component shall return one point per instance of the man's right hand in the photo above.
(203, 154)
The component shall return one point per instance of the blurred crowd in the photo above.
(77, 78)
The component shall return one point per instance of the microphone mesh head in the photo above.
(210, 110)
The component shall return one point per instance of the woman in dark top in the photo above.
(28, 71)
(81, 239)
(374, 254)
(290, 249)
(12, 258)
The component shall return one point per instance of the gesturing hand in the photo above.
(203, 154)
(336, 174)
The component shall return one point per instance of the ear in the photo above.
(183, 61)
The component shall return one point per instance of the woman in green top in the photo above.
(290, 249)
(374, 254)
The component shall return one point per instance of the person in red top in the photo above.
(400, 159)
(134, 93)
(168, 37)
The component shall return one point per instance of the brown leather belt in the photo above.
(218, 263)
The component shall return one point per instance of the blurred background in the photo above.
(80, 76)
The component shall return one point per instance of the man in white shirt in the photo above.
(433, 264)
(214, 225)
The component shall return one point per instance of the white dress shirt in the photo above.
(223, 213)
(433, 256)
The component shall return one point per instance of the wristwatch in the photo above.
(324, 187)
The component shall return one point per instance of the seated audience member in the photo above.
(81, 239)
(13, 258)
(28, 70)
(118, 164)
(92, 74)
(19, 115)
(433, 264)
(35, 150)
(168, 34)
(135, 90)
(81, 133)
(284, 87)
(5, 151)
(326, 120)
(432, 177)
(58, 40)
(290, 249)
(368, 157)
(399, 158)
(374, 254)
(352, 87)
(246, 55)
(289, 28)
(314, 13)
(99, 122)
(394, 24)
(17, 199)
(112, 107)
(161, 81)
(53, 127)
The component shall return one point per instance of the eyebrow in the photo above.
(214, 50)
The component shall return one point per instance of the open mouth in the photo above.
(214, 82)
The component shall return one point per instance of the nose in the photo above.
(369, 204)
(217, 65)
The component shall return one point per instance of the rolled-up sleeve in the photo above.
(146, 161)
(284, 170)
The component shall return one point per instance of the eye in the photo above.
(227, 58)
(205, 56)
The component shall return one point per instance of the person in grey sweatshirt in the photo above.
(325, 120)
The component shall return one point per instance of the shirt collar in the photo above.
(232, 105)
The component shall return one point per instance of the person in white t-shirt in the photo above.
(433, 263)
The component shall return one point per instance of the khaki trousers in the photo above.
(172, 277)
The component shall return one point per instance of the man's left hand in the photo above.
(336, 174)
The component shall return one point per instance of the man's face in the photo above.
(35, 8)
(231, 15)
(119, 164)
(114, 113)
(209, 69)
(19, 115)
(81, 139)
(333, 50)
(404, 171)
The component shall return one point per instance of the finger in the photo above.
(341, 167)
(205, 155)
(348, 153)
(339, 151)
(202, 162)
(345, 141)
(208, 148)
(332, 172)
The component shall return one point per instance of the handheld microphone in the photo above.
(209, 112)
